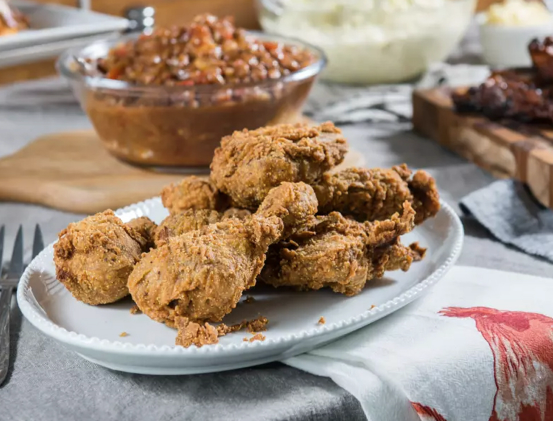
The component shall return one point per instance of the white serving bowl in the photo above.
(507, 46)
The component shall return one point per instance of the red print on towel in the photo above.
(427, 413)
(522, 348)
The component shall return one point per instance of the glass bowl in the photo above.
(372, 41)
(182, 125)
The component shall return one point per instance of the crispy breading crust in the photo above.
(94, 258)
(376, 193)
(201, 274)
(192, 193)
(339, 253)
(248, 164)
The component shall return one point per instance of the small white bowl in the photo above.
(507, 46)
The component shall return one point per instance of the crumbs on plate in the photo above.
(373, 306)
(123, 334)
(135, 309)
(256, 337)
(322, 321)
(249, 299)
(252, 326)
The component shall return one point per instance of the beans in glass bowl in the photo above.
(209, 51)
(167, 98)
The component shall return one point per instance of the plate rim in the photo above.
(80, 340)
(102, 23)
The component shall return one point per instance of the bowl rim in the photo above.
(481, 20)
(67, 57)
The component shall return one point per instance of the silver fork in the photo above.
(7, 283)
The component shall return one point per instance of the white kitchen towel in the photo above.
(477, 347)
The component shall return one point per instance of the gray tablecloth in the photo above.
(46, 382)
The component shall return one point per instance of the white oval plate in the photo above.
(93, 332)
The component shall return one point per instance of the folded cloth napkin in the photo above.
(345, 104)
(510, 212)
(477, 347)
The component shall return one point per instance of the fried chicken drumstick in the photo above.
(340, 253)
(200, 275)
(248, 164)
(94, 257)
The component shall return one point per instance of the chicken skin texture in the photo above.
(191, 219)
(248, 164)
(340, 253)
(183, 222)
(146, 228)
(94, 258)
(200, 275)
(376, 194)
(426, 199)
(192, 193)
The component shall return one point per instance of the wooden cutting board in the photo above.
(506, 149)
(73, 172)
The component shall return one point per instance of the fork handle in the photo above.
(5, 304)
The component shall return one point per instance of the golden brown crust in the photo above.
(201, 274)
(183, 222)
(426, 199)
(192, 193)
(248, 164)
(94, 258)
(294, 203)
(339, 253)
(191, 219)
(145, 229)
(376, 193)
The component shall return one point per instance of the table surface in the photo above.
(47, 382)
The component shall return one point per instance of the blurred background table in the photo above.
(167, 12)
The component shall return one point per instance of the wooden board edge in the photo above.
(508, 153)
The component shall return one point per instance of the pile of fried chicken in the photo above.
(271, 211)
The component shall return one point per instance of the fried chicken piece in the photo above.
(201, 274)
(376, 194)
(426, 200)
(146, 228)
(248, 164)
(294, 203)
(340, 253)
(395, 256)
(190, 220)
(192, 193)
(94, 258)
(180, 223)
